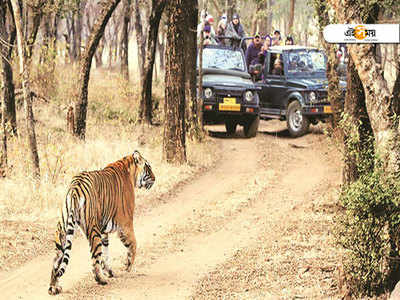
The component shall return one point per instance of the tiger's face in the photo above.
(146, 176)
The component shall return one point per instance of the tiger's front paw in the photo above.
(54, 290)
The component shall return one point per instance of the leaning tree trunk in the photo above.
(108, 8)
(146, 103)
(8, 93)
(174, 145)
(125, 40)
(24, 70)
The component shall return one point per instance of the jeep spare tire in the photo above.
(251, 127)
(297, 123)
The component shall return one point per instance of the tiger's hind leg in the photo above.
(55, 287)
(106, 265)
(97, 257)
(127, 236)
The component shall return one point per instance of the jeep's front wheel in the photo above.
(297, 123)
(230, 127)
(251, 127)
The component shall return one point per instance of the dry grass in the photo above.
(111, 135)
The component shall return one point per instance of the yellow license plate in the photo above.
(328, 109)
(229, 107)
(229, 100)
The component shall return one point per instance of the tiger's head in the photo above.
(144, 175)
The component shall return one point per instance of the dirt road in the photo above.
(257, 184)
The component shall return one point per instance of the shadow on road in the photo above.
(284, 133)
(224, 135)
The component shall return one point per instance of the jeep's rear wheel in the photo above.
(251, 126)
(230, 127)
(297, 123)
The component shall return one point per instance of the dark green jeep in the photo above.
(297, 94)
(229, 95)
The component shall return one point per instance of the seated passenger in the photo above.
(293, 63)
(289, 40)
(278, 67)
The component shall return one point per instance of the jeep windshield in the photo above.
(306, 63)
(223, 59)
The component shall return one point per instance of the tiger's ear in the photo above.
(137, 157)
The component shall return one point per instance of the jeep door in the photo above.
(273, 87)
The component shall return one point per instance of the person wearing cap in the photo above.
(252, 51)
(205, 19)
(235, 30)
(208, 38)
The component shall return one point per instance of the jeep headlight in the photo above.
(312, 97)
(208, 93)
(248, 96)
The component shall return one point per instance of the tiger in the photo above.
(99, 203)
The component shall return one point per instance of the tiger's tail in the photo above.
(69, 226)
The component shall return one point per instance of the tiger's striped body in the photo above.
(101, 202)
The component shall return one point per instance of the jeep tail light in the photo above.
(208, 107)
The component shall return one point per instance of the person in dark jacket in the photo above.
(235, 30)
(254, 49)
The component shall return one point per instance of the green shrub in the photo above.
(365, 231)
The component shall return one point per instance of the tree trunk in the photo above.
(195, 128)
(141, 42)
(99, 53)
(291, 17)
(269, 16)
(78, 29)
(125, 39)
(334, 92)
(161, 49)
(174, 145)
(231, 8)
(146, 103)
(107, 8)
(25, 75)
(358, 138)
(8, 94)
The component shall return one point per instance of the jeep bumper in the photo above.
(317, 110)
(218, 113)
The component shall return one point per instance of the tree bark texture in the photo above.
(195, 127)
(379, 101)
(358, 135)
(107, 8)
(140, 39)
(146, 103)
(291, 16)
(125, 39)
(24, 65)
(174, 146)
(8, 89)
